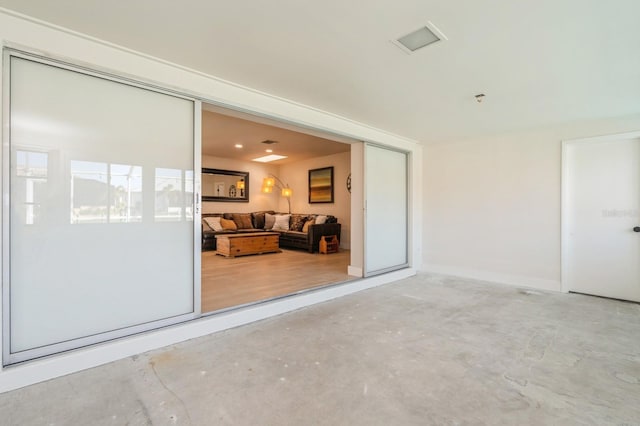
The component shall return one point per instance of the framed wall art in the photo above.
(321, 185)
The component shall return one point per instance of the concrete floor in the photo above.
(426, 350)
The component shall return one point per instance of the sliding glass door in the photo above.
(386, 213)
(99, 232)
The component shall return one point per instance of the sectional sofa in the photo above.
(298, 231)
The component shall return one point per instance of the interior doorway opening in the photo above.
(140, 202)
(271, 228)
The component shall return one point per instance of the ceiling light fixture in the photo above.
(479, 97)
(268, 150)
(422, 37)
(268, 158)
(238, 145)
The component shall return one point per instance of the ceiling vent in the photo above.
(419, 38)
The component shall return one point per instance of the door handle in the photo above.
(636, 229)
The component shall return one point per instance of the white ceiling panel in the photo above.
(538, 62)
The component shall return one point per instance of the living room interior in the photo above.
(231, 140)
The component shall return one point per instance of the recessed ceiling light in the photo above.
(419, 38)
(238, 145)
(268, 158)
(268, 150)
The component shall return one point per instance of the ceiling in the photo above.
(222, 130)
(538, 62)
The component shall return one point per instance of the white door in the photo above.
(98, 215)
(386, 220)
(602, 205)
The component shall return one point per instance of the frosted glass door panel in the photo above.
(101, 208)
(386, 210)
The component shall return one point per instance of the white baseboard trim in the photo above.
(497, 277)
(14, 377)
(354, 271)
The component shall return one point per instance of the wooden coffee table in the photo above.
(232, 245)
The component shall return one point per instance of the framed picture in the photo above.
(321, 185)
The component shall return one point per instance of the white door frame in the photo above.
(564, 236)
(234, 98)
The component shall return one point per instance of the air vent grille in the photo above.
(419, 38)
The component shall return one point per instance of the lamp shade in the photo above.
(240, 184)
(269, 181)
(287, 192)
(267, 189)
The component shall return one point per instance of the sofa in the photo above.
(298, 231)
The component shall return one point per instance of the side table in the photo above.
(328, 244)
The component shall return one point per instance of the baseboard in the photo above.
(496, 277)
(354, 271)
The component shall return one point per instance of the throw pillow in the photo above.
(213, 223)
(307, 224)
(258, 220)
(269, 221)
(242, 220)
(297, 222)
(282, 222)
(320, 219)
(228, 224)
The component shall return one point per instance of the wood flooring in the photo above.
(228, 282)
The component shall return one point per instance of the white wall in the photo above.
(492, 205)
(356, 263)
(296, 175)
(49, 40)
(257, 200)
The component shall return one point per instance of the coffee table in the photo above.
(243, 244)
